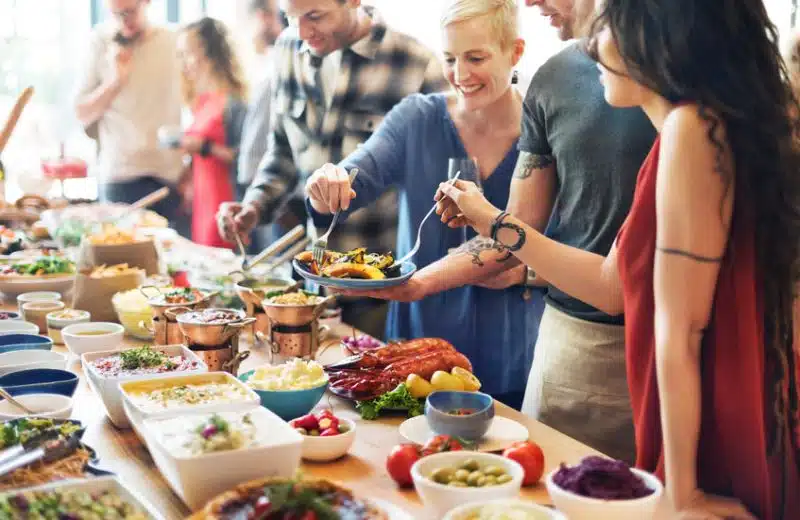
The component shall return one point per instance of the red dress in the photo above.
(737, 418)
(211, 176)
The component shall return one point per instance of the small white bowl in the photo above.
(37, 296)
(59, 320)
(79, 344)
(326, 449)
(441, 498)
(27, 359)
(532, 510)
(18, 327)
(55, 406)
(577, 507)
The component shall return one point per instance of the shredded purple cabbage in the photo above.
(602, 478)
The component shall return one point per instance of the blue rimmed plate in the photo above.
(407, 269)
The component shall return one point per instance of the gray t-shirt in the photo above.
(598, 150)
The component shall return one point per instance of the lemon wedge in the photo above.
(418, 387)
(471, 383)
(442, 380)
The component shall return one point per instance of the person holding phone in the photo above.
(128, 90)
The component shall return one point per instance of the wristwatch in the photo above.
(530, 277)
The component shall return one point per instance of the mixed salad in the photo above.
(40, 266)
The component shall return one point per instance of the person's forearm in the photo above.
(93, 105)
(678, 372)
(581, 274)
(223, 153)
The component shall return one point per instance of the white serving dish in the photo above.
(198, 479)
(441, 498)
(56, 406)
(463, 512)
(326, 449)
(16, 286)
(136, 415)
(37, 296)
(18, 327)
(577, 507)
(107, 388)
(80, 345)
(97, 485)
(28, 359)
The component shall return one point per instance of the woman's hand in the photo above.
(711, 507)
(413, 290)
(328, 189)
(191, 144)
(462, 204)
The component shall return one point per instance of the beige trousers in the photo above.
(577, 383)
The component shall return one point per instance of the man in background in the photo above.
(267, 26)
(339, 70)
(128, 90)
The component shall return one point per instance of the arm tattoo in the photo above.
(521, 236)
(528, 162)
(692, 256)
(475, 247)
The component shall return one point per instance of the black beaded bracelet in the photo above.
(205, 148)
(496, 225)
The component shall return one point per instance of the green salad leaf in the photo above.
(398, 399)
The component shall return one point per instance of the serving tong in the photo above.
(47, 447)
(295, 240)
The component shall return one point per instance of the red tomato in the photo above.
(530, 456)
(330, 432)
(399, 463)
(441, 443)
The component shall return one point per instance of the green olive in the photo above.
(442, 475)
(314, 433)
(503, 479)
(494, 470)
(343, 428)
(470, 465)
(475, 477)
(457, 483)
(491, 480)
(461, 475)
(302, 431)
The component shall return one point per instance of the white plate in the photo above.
(15, 287)
(502, 433)
(394, 512)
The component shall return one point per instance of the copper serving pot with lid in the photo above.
(213, 334)
(165, 329)
(294, 329)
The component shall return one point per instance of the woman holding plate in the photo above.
(410, 151)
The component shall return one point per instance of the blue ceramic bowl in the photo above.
(40, 381)
(288, 404)
(12, 342)
(471, 427)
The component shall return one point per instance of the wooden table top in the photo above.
(362, 470)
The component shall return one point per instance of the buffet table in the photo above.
(362, 470)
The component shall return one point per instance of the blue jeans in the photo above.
(128, 192)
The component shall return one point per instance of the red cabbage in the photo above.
(602, 478)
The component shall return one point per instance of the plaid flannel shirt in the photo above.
(375, 74)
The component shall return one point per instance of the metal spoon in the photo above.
(5, 395)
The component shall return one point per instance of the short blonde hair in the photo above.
(503, 16)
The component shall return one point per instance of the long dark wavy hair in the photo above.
(216, 42)
(724, 56)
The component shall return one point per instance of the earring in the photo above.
(514, 77)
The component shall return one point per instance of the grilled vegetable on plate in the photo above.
(356, 269)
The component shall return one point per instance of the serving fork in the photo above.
(321, 244)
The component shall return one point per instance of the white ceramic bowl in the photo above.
(107, 387)
(197, 479)
(37, 296)
(18, 327)
(61, 284)
(56, 406)
(94, 486)
(79, 344)
(27, 359)
(137, 414)
(60, 320)
(441, 498)
(325, 449)
(533, 510)
(577, 507)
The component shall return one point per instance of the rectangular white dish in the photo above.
(199, 478)
(98, 485)
(136, 413)
(107, 387)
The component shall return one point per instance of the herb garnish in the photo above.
(144, 357)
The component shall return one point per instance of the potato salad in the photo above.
(296, 374)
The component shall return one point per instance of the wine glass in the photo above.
(469, 172)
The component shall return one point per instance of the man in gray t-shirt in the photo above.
(580, 157)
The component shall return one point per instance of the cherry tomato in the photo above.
(326, 423)
(327, 412)
(261, 508)
(441, 443)
(307, 422)
(330, 432)
(399, 463)
(530, 456)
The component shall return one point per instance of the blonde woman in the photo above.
(479, 118)
(214, 90)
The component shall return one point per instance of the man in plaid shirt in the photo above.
(338, 70)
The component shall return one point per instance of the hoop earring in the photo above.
(514, 77)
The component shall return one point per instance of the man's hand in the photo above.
(234, 218)
(328, 189)
(123, 63)
(413, 290)
(509, 278)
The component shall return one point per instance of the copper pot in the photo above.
(295, 315)
(160, 308)
(253, 291)
(209, 334)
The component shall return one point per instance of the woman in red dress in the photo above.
(214, 91)
(705, 263)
